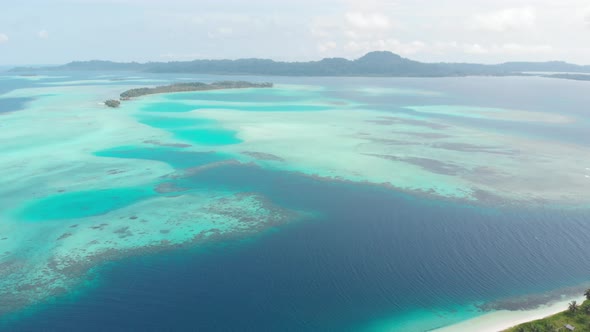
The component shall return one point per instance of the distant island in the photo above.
(112, 103)
(185, 87)
(577, 77)
(379, 63)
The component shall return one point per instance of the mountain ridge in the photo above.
(376, 63)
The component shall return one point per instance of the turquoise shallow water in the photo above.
(274, 95)
(207, 136)
(174, 123)
(265, 108)
(179, 107)
(179, 158)
(168, 107)
(375, 258)
(192, 130)
(83, 204)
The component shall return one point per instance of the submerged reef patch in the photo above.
(145, 227)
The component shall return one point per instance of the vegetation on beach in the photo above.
(194, 86)
(577, 316)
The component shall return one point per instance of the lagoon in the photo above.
(353, 208)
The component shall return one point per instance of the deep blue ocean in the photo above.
(371, 253)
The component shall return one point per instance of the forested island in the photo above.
(379, 63)
(194, 86)
(113, 103)
(185, 87)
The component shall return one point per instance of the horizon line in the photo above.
(285, 61)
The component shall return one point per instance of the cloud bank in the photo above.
(427, 30)
(505, 20)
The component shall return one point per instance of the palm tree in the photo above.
(573, 307)
(586, 308)
(587, 294)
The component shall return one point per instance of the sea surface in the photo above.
(368, 257)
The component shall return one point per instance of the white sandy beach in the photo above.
(503, 319)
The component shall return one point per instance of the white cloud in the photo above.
(451, 30)
(520, 49)
(356, 25)
(474, 49)
(220, 32)
(320, 29)
(506, 49)
(43, 34)
(356, 32)
(327, 46)
(3, 38)
(505, 20)
(367, 21)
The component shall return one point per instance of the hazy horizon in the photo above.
(34, 32)
(10, 66)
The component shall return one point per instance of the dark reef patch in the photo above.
(428, 164)
(390, 120)
(425, 135)
(263, 156)
(64, 236)
(170, 145)
(466, 147)
(389, 141)
(532, 301)
(99, 227)
(123, 232)
(169, 187)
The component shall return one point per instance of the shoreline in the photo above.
(504, 319)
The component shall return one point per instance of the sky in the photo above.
(482, 31)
